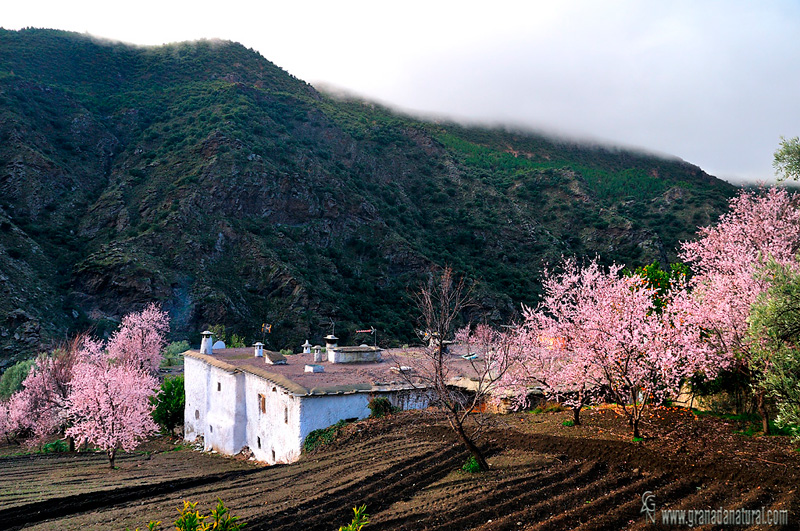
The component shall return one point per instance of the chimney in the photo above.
(317, 353)
(306, 347)
(206, 345)
(259, 351)
(330, 344)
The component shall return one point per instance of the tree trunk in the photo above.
(762, 409)
(112, 453)
(472, 447)
(71, 442)
(636, 434)
(576, 416)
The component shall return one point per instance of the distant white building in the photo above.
(237, 397)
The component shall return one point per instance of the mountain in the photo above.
(204, 177)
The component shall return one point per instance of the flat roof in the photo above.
(337, 378)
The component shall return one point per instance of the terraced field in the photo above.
(406, 471)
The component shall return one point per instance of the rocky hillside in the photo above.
(203, 176)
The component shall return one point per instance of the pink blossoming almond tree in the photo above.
(109, 402)
(598, 330)
(141, 337)
(554, 356)
(38, 410)
(761, 226)
(93, 390)
(109, 405)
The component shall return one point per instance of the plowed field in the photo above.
(544, 476)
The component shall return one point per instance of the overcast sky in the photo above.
(713, 82)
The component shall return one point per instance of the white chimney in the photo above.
(259, 351)
(206, 344)
(330, 344)
(306, 347)
(317, 353)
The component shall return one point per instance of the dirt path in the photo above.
(543, 477)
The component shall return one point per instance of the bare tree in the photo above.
(440, 302)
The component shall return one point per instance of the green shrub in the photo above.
(471, 466)
(55, 447)
(169, 404)
(568, 423)
(286, 352)
(12, 379)
(360, 520)
(321, 437)
(380, 407)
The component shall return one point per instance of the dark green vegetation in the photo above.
(380, 407)
(204, 177)
(322, 436)
(13, 376)
(169, 404)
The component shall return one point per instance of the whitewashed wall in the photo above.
(226, 417)
(409, 399)
(195, 382)
(274, 435)
(317, 412)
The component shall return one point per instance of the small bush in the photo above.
(471, 466)
(360, 520)
(380, 407)
(286, 352)
(568, 423)
(321, 437)
(55, 447)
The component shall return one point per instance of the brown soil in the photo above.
(544, 476)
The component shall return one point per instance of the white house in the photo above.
(237, 397)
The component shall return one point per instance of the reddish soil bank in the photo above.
(405, 469)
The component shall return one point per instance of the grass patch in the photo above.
(548, 407)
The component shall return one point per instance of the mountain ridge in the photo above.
(204, 177)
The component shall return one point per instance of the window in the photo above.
(262, 403)
(258, 441)
(219, 386)
(273, 455)
(211, 429)
(196, 414)
(286, 414)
